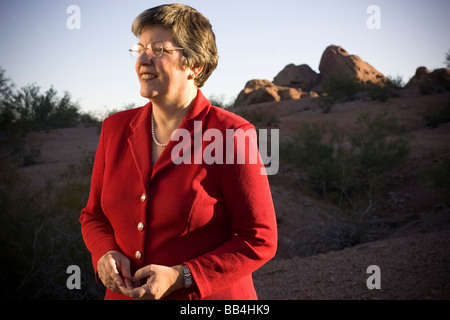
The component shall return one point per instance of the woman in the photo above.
(157, 229)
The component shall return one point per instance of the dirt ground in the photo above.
(410, 244)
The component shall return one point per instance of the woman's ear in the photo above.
(195, 71)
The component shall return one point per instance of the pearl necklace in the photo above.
(154, 138)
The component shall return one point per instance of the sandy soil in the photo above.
(410, 243)
(414, 267)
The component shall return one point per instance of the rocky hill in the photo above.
(300, 81)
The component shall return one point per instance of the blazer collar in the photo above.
(141, 141)
(198, 110)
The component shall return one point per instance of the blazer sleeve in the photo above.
(249, 204)
(97, 232)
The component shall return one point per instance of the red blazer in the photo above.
(218, 219)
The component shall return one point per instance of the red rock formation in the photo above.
(336, 60)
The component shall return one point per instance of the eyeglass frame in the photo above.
(149, 46)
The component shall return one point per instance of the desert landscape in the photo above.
(406, 231)
(410, 236)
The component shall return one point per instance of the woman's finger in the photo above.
(140, 292)
(142, 273)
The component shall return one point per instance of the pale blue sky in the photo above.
(256, 39)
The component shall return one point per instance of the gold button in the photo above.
(137, 255)
(140, 226)
(143, 197)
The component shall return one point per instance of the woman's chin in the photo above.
(149, 94)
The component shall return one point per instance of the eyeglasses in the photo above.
(156, 48)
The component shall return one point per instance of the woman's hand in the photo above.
(160, 282)
(114, 271)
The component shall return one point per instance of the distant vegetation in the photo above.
(220, 101)
(341, 87)
(436, 177)
(447, 59)
(437, 117)
(30, 109)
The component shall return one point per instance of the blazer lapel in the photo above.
(141, 145)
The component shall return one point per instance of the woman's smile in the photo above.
(148, 76)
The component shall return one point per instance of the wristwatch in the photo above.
(187, 276)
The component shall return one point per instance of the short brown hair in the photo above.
(190, 30)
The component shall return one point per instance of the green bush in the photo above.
(437, 82)
(31, 110)
(338, 87)
(332, 232)
(436, 177)
(220, 101)
(341, 86)
(347, 168)
(326, 102)
(386, 89)
(27, 109)
(40, 235)
(347, 171)
(435, 118)
(426, 88)
(259, 118)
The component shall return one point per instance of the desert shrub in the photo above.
(6, 89)
(435, 118)
(438, 82)
(40, 235)
(347, 168)
(220, 101)
(396, 82)
(35, 111)
(347, 171)
(341, 86)
(259, 118)
(326, 102)
(28, 109)
(447, 59)
(338, 87)
(426, 88)
(385, 89)
(90, 120)
(436, 177)
(332, 232)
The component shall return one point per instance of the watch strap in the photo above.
(187, 276)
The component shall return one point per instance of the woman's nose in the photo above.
(144, 58)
